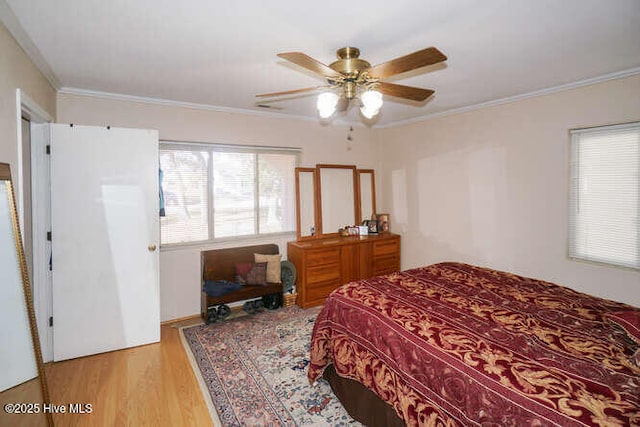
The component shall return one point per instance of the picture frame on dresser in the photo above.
(383, 222)
(372, 226)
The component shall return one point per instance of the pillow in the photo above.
(273, 266)
(629, 321)
(258, 274)
(242, 269)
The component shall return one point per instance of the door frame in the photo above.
(40, 212)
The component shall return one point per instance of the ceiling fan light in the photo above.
(368, 113)
(327, 103)
(371, 103)
(372, 100)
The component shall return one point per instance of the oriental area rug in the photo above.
(254, 368)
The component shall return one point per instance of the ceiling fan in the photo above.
(354, 77)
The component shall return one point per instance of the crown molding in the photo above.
(12, 24)
(197, 106)
(172, 103)
(554, 89)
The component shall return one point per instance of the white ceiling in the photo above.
(222, 53)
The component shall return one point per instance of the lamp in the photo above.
(327, 103)
(371, 103)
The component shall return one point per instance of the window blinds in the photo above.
(234, 194)
(604, 210)
(214, 191)
(185, 188)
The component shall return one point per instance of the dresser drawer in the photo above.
(386, 247)
(317, 294)
(323, 273)
(387, 264)
(323, 257)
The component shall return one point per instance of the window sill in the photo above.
(227, 242)
(603, 263)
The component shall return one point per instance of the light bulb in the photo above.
(371, 103)
(327, 102)
(368, 113)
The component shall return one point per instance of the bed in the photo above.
(455, 344)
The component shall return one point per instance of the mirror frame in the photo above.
(319, 220)
(359, 173)
(299, 235)
(5, 175)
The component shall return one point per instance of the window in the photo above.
(216, 192)
(604, 211)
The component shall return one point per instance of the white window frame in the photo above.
(574, 252)
(185, 145)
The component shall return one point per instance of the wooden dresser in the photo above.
(323, 265)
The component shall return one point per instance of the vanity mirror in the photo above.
(22, 381)
(306, 203)
(367, 193)
(330, 197)
(336, 187)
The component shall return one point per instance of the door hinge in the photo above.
(48, 236)
(51, 321)
(48, 149)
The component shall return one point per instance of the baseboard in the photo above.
(180, 319)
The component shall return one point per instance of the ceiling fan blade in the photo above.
(305, 61)
(419, 59)
(290, 92)
(401, 91)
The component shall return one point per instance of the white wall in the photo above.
(180, 268)
(490, 186)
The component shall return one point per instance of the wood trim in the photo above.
(5, 172)
(358, 198)
(179, 320)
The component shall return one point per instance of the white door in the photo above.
(104, 223)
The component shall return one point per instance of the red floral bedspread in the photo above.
(454, 344)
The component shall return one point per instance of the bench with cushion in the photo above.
(220, 264)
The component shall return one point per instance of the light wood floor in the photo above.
(28, 393)
(151, 385)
